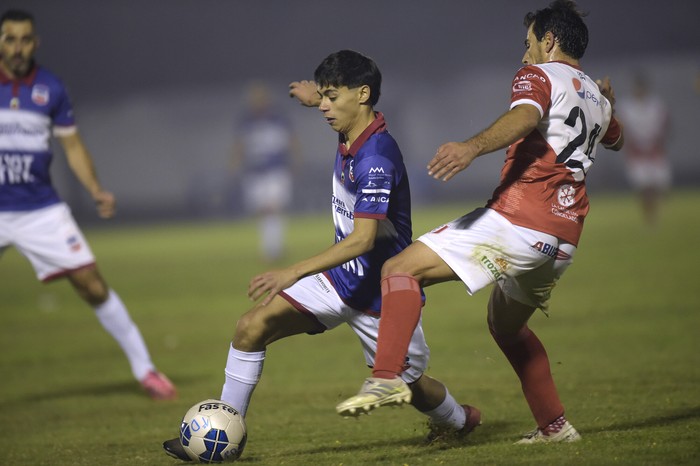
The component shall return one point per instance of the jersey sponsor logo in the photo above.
(522, 86)
(587, 95)
(15, 168)
(550, 250)
(376, 170)
(380, 199)
(566, 195)
(40, 94)
(496, 267)
(321, 283)
(529, 76)
(11, 129)
(340, 207)
(578, 88)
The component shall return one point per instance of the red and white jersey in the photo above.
(543, 180)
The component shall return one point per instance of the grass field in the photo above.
(622, 338)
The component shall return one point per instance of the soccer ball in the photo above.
(213, 432)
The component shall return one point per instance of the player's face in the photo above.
(17, 46)
(341, 107)
(534, 49)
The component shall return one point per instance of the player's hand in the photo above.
(606, 89)
(105, 203)
(270, 283)
(305, 92)
(450, 159)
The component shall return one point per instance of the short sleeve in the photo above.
(375, 177)
(531, 86)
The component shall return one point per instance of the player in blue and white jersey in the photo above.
(33, 107)
(265, 154)
(340, 285)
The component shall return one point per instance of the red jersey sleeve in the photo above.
(612, 135)
(531, 85)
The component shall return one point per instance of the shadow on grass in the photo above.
(126, 388)
(656, 421)
(494, 433)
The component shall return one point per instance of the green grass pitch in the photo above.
(622, 338)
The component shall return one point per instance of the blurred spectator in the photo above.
(264, 155)
(646, 121)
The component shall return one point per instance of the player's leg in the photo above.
(426, 394)
(448, 419)
(114, 317)
(510, 306)
(402, 277)
(255, 330)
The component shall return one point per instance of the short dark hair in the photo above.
(16, 15)
(563, 19)
(350, 69)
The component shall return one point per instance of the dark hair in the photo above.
(16, 15)
(563, 19)
(350, 69)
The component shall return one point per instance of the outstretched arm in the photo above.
(360, 241)
(305, 92)
(80, 162)
(453, 157)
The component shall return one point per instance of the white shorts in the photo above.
(483, 247)
(652, 173)
(316, 297)
(267, 191)
(49, 238)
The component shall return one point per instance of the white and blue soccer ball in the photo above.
(213, 432)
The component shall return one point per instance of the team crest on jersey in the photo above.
(566, 195)
(40, 94)
(578, 88)
(14, 103)
(351, 171)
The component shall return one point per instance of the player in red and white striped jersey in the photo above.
(526, 236)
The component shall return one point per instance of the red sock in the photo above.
(529, 359)
(401, 306)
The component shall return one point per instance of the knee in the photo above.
(91, 288)
(391, 267)
(249, 333)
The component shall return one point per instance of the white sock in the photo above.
(448, 413)
(272, 236)
(242, 372)
(114, 317)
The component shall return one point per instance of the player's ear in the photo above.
(549, 41)
(364, 93)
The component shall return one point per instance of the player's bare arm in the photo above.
(81, 164)
(360, 241)
(305, 92)
(453, 157)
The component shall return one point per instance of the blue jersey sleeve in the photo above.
(62, 111)
(376, 177)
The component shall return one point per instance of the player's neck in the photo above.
(557, 55)
(364, 119)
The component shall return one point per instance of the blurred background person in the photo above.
(265, 153)
(34, 106)
(647, 127)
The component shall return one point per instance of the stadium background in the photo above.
(157, 86)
